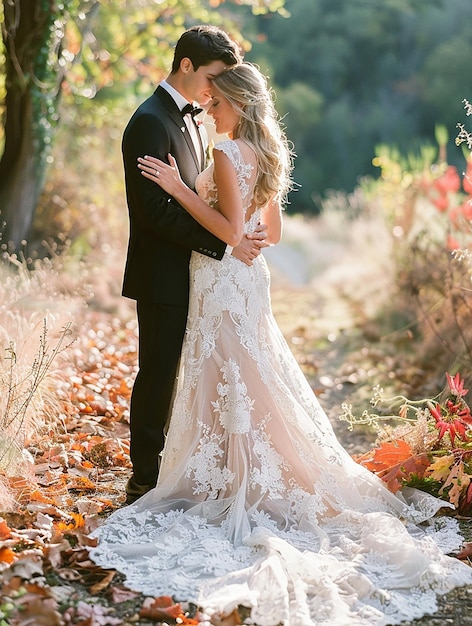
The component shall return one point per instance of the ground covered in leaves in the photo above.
(78, 471)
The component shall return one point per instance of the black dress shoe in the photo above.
(134, 490)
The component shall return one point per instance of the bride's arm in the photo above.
(226, 222)
(272, 216)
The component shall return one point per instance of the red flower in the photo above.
(452, 243)
(467, 209)
(449, 181)
(456, 385)
(441, 202)
(454, 417)
(467, 181)
(454, 423)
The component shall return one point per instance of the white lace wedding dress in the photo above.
(257, 502)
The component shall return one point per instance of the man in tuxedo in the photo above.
(162, 236)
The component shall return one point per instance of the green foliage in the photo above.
(45, 86)
(118, 51)
(384, 72)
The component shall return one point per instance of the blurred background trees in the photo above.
(373, 73)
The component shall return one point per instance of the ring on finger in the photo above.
(157, 173)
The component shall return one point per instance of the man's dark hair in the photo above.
(205, 44)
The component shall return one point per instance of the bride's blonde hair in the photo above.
(247, 91)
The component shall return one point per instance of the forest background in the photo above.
(371, 283)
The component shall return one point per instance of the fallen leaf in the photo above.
(39, 612)
(233, 619)
(121, 594)
(386, 455)
(441, 468)
(7, 555)
(161, 608)
(466, 553)
(102, 584)
(457, 482)
(81, 483)
(5, 530)
(94, 615)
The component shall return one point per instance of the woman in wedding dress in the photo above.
(257, 503)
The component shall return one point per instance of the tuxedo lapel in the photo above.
(176, 117)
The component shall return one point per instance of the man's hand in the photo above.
(251, 245)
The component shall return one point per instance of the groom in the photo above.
(162, 236)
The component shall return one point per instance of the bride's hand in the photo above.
(166, 176)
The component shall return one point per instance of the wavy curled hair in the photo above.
(247, 90)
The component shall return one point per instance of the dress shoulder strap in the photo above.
(232, 151)
(244, 171)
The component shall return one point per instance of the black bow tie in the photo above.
(189, 108)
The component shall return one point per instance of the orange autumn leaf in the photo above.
(81, 483)
(386, 455)
(163, 601)
(394, 462)
(5, 530)
(87, 409)
(26, 491)
(394, 476)
(78, 522)
(466, 552)
(121, 390)
(7, 555)
(162, 608)
(187, 621)
(233, 619)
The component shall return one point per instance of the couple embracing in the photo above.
(254, 502)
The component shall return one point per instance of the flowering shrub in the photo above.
(430, 448)
(427, 207)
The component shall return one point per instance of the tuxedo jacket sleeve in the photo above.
(162, 233)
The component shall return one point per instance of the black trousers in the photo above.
(161, 332)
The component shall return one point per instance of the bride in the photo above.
(257, 503)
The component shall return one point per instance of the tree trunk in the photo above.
(21, 179)
(29, 107)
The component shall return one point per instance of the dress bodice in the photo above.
(246, 176)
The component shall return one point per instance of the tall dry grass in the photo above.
(39, 308)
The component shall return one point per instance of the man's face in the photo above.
(197, 84)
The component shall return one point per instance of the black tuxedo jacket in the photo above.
(162, 234)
